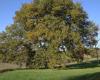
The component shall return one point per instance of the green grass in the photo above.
(90, 64)
(52, 74)
(81, 71)
(95, 76)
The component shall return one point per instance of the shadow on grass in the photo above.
(6, 70)
(91, 64)
(94, 76)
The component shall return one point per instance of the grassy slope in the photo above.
(94, 76)
(71, 74)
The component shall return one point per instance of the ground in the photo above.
(81, 71)
(52, 74)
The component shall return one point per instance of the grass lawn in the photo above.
(53, 74)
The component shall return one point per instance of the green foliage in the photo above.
(44, 29)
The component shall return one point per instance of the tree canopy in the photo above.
(49, 32)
